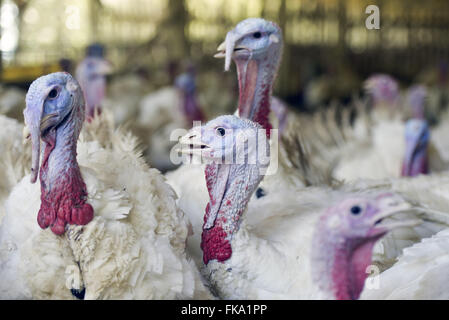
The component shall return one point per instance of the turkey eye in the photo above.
(260, 193)
(221, 131)
(355, 210)
(53, 93)
(257, 35)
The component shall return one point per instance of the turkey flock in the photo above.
(353, 202)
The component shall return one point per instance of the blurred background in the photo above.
(328, 50)
(325, 40)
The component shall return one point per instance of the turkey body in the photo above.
(420, 273)
(380, 155)
(134, 248)
(268, 256)
(107, 225)
(15, 161)
(271, 255)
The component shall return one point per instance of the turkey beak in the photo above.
(389, 206)
(221, 51)
(48, 121)
(33, 116)
(227, 48)
(38, 124)
(191, 143)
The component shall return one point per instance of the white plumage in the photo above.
(133, 249)
(14, 161)
(271, 252)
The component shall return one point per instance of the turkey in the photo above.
(384, 97)
(343, 241)
(103, 231)
(267, 256)
(255, 45)
(164, 111)
(383, 151)
(91, 75)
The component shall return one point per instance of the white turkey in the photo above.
(279, 194)
(391, 142)
(256, 47)
(343, 242)
(107, 225)
(247, 256)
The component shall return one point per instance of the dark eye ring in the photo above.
(257, 35)
(355, 210)
(53, 93)
(221, 131)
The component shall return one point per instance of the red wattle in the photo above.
(349, 272)
(214, 242)
(65, 201)
(262, 116)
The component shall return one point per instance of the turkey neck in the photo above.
(242, 182)
(415, 162)
(63, 191)
(59, 155)
(342, 273)
(256, 78)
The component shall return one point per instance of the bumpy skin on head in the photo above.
(256, 47)
(230, 183)
(344, 239)
(416, 159)
(55, 114)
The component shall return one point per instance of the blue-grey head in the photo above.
(417, 136)
(226, 138)
(253, 38)
(52, 101)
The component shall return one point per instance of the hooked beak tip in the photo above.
(33, 177)
(222, 46)
(393, 209)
